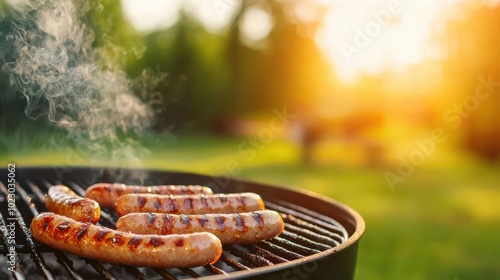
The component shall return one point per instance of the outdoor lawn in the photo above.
(441, 223)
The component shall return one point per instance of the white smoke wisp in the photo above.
(59, 72)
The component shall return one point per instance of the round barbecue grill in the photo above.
(319, 242)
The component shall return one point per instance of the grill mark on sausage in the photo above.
(157, 204)
(185, 219)
(63, 227)
(222, 198)
(141, 201)
(172, 207)
(242, 201)
(118, 239)
(168, 224)
(188, 203)
(151, 218)
(221, 222)
(82, 231)
(258, 217)
(204, 201)
(179, 242)
(203, 220)
(134, 242)
(46, 222)
(240, 222)
(155, 242)
(99, 236)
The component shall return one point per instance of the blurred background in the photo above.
(388, 106)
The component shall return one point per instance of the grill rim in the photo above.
(351, 241)
(356, 219)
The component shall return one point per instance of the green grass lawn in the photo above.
(443, 222)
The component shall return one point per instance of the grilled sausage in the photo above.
(106, 194)
(250, 227)
(104, 244)
(188, 204)
(62, 200)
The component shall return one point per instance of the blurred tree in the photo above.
(196, 89)
(120, 44)
(472, 44)
(297, 73)
(217, 76)
(289, 69)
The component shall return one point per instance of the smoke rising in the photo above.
(48, 53)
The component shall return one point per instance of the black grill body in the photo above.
(320, 239)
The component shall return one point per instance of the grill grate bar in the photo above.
(304, 241)
(280, 250)
(287, 218)
(17, 273)
(252, 259)
(326, 219)
(35, 255)
(99, 268)
(36, 190)
(68, 265)
(165, 274)
(134, 271)
(27, 199)
(190, 272)
(19, 247)
(214, 269)
(296, 247)
(76, 188)
(265, 254)
(311, 235)
(232, 263)
(310, 219)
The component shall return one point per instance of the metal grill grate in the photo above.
(306, 233)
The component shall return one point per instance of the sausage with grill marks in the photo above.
(189, 204)
(106, 194)
(62, 200)
(237, 228)
(104, 244)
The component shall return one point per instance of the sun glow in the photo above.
(372, 36)
(357, 36)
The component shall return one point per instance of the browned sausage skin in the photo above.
(62, 200)
(106, 194)
(104, 244)
(237, 228)
(189, 204)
